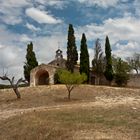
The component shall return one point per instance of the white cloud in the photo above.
(118, 29)
(12, 52)
(8, 55)
(11, 60)
(11, 11)
(12, 20)
(100, 3)
(10, 15)
(126, 50)
(14, 3)
(1, 46)
(137, 7)
(41, 16)
(126, 28)
(6, 35)
(8, 38)
(24, 38)
(91, 55)
(45, 49)
(58, 4)
(32, 27)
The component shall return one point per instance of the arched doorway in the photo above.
(42, 77)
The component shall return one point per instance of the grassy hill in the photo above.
(94, 113)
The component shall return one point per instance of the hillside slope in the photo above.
(95, 112)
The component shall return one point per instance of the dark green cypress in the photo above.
(108, 71)
(72, 55)
(84, 57)
(31, 61)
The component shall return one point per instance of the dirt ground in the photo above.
(99, 103)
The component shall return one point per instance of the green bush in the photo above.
(121, 70)
(121, 79)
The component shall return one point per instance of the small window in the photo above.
(57, 64)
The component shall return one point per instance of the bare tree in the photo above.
(134, 62)
(13, 85)
(98, 62)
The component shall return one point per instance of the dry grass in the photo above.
(94, 113)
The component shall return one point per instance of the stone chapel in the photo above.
(44, 73)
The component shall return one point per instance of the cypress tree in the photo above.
(108, 71)
(84, 57)
(72, 55)
(31, 61)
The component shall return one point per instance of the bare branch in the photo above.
(21, 80)
(5, 78)
(14, 86)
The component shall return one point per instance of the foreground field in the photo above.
(94, 113)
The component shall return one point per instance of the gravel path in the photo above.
(133, 102)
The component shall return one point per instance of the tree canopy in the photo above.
(84, 57)
(72, 55)
(121, 69)
(71, 80)
(31, 61)
(108, 70)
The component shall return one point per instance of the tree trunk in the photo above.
(17, 92)
(98, 80)
(69, 95)
(69, 88)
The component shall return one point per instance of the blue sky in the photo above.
(45, 23)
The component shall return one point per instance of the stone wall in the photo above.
(134, 81)
(35, 73)
(50, 70)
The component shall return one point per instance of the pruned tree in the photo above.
(84, 57)
(72, 54)
(108, 69)
(14, 85)
(31, 61)
(134, 62)
(71, 80)
(98, 62)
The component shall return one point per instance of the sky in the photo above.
(45, 23)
